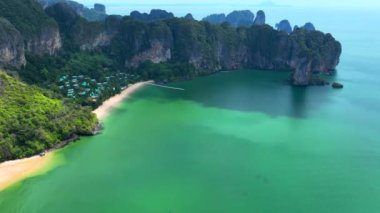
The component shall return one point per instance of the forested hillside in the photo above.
(31, 121)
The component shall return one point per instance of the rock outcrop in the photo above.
(309, 26)
(260, 18)
(215, 18)
(189, 16)
(154, 15)
(284, 26)
(337, 85)
(11, 45)
(317, 52)
(100, 8)
(98, 13)
(243, 18)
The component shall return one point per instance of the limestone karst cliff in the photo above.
(11, 45)
(159, 37)
(27, 22)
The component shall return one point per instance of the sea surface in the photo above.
(239, 141)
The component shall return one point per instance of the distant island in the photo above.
(83, 56)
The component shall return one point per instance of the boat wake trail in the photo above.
(167, 87)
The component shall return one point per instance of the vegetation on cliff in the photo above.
(31, 121)
(27, 16)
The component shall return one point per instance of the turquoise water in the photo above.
(240, 141)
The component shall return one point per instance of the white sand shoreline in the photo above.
(12, 172)
(102, 111)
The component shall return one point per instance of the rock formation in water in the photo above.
(284, 26)
(260, 18)
(317, 52)
(337, 85)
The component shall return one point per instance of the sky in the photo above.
(302, 3)
(200, 8)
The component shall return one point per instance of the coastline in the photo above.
(107, 106)
(12, 172)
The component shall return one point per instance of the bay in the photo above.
(241, 141)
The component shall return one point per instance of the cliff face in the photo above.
(101, 39)
(211, 48)
(318, 52)
(11, 45)
(48, 41)
(157, 53)
(77, 31)
(27, 28)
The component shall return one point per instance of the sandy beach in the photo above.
(108, 105)
(12, 172)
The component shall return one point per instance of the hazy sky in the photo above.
(306, 3)
(202, 8)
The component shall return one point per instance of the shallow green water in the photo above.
(233, 142)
